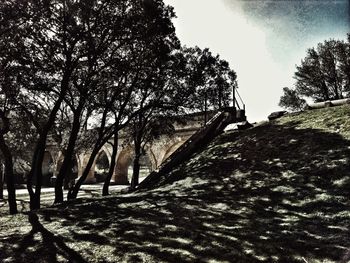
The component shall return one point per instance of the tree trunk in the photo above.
(205, 109)
(36, 170)
(73, 191)
(107, 182)
(220, 98)
(325, 91)
(38, 156)
(1, 182)
(11, 190)
(136, 166)
(68, 157)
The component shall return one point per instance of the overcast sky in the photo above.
(262, 40)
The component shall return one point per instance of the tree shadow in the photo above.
(39, 245)
(276, 193)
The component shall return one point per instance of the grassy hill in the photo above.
(278, 192)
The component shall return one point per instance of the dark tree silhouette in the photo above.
(197, 74)
(149, 42)
(291, 100)
(210, 78)
(77, 72)
(1, 180)
(324, 74)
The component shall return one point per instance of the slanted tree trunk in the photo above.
(36, 170)
(73, 191)
(39, 152)
(11, 190)
(325, 91)
(68, 157)
(107, 182)
(136, 164)
(205, 109)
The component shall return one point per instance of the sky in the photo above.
(263, 40)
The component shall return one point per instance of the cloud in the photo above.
(289, 24)
(262, 40)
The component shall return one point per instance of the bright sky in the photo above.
(262, 40)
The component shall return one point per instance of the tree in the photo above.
(211, 79)
(197, 74)
(152, 37)
(343, 54)
(324, 74)
(45, 43)
(291, 100)
(8, 160)
(1, 180)
(147, 128)
(8, 94)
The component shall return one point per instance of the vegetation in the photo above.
(324, 74)
(278, 192)
(77, 72)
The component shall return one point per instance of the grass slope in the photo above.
(278, 192)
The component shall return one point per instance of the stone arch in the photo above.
(107, 149)
(101, 166)
(172, 148)
(124, 160)
(123, 168)
(153, 159)
(146, 165)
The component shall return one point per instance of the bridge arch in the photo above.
(172, 148)
(124, 160)
(101, 167)
(124, 164)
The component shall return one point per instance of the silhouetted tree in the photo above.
(171, 100)
(323, 73)
(1, 179)
(46, 43)
(144, 130)
(151, 38)
(291, 100)
(105, 41)
(192, 75)
(210, 77)
(8, 93)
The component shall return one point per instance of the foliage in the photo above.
(210, 78)
(289, 205)
(324, 74)
(77, 72)
(291, 100)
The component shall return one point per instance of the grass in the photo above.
(278, 192)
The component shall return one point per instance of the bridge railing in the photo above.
(238, 100)
(203, 136)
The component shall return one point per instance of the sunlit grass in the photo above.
(278, 192)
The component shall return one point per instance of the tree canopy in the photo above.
(76, 72)
(324, 74)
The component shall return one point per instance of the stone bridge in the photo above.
(155, 154)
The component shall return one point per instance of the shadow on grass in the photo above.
(272, 194)
(39, 245)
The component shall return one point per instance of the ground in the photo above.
(278, 192)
